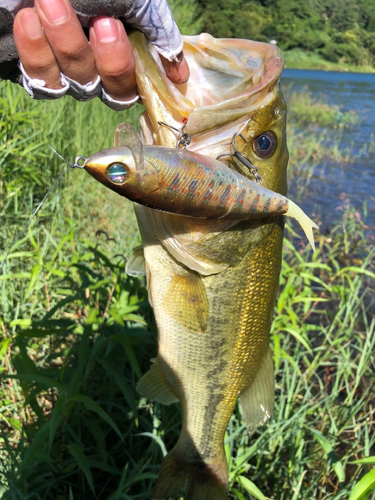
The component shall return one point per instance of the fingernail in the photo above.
(106, 29)
(54, 10)
(31, 25)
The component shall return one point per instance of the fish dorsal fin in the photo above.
(154, 386)
(257, 399)
(136, 263)
(126, 135)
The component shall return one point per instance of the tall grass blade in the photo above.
(91, 405)
(251, 488)
(363, 489)
(77, 453)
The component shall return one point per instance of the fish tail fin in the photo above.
(201, 480)
(306, 223)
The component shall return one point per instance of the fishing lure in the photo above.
(183, 182)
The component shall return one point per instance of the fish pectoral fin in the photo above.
(257, 400)
(175, 234)
(135, 265)
(154, 386)
(188, 295)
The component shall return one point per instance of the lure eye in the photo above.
(116, 173)
(265, 144)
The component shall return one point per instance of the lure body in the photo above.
(186, 183)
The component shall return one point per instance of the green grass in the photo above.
(77, 333)
(300, 59)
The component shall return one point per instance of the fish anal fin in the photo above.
(257, 400)
(190, 304)
(135, 265)
(154, 386)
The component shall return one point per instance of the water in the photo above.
(333, 182)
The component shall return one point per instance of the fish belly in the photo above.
(213, 337)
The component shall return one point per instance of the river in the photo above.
(332, 181)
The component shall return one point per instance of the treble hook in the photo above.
(183, 139)
(242, 158)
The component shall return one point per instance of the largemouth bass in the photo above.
(212, 283)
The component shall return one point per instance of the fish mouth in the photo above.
(238, 75)
(229, 80)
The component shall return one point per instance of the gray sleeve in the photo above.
(8, 52)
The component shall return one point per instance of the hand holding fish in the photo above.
(57, 58)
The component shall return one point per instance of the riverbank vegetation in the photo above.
(77, 333)
(314, 34)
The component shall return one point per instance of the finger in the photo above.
(67, 40)
(114, 57)
(177, 71)
(33, 49)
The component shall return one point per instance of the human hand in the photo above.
(50, 41)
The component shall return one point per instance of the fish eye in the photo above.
(116, 173)
(265, 144)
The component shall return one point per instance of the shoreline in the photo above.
(297, 59)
